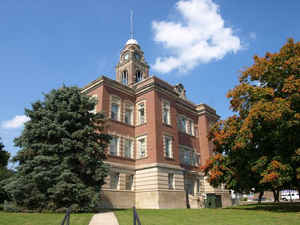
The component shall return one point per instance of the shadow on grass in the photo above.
(272, 207)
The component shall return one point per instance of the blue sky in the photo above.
(202, 44)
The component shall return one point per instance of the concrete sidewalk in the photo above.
(107, 218)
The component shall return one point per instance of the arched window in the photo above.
(138, 76)
(125, 77)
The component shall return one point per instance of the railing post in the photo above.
(136, 217)
(67, 217)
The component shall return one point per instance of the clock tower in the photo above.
(132, 67)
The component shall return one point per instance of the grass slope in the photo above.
(42, 218)
(266, 214)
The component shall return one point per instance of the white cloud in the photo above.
(199, 38)
(16, 122)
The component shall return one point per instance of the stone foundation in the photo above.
(151, 190)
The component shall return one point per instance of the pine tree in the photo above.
(62, 152)
(4, 172)
(4, 156)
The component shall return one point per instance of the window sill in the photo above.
(120, 157)
(146, 157)
(121, 122)
(170, 159)
(167, 125)
(139, 125)
(182, 132)
(189, 166)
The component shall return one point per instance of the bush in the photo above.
(10, 207)
(245, 199)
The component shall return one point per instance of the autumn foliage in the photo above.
(259, 147)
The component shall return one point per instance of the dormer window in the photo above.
(125, 77)
(138, 76)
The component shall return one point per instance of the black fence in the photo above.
(66, 220)
(136, 219)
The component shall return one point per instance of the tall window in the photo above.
(168, 147)
(188, 156)
(183, 124)
(197, 186)
(171, 181)
(138, 76)
(129, 182)
(186, 125)
(141, 147)
(115, 108)
(128, 148)
(114, 180)
(190, 127)
(114, 146)
(125, 77)
(128, 115)
(94, 98)
(141, 113)
(166, 112)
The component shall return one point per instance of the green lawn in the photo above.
(42, 218)
(267, 214)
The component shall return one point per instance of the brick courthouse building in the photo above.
(159, 138)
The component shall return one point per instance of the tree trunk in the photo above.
(261, 194)
(276, 195)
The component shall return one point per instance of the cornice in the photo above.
(149, 84)
(144, 166)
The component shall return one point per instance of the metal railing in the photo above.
(67, 217)
(136, 219)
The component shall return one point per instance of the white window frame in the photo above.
(170, 139)
(171, 181)
(188, 156)
(166, 105)
(139, 121)
(188, 127)
(117, 101)
(94, 110)
(124, 77)
(131, 147)
(129, 182)
(118, 146)
(138, 76)
(114, 184)
(128, 105)
(197, 186)
(138, 147)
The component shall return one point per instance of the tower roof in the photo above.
(132, 42)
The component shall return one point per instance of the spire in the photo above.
(131, 37)
(131, 24)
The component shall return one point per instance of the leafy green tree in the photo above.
(259, 147)
(62, 152)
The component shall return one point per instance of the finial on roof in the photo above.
(131, 40)
(131, 24)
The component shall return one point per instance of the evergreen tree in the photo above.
(4, 172)
(62, 153)
(4, 156)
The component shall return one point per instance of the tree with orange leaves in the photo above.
(259, 147)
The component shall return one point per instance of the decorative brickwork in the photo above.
(162, 138)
